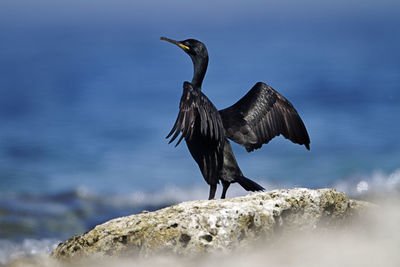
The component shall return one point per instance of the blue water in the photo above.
(88, 93)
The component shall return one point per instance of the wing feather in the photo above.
(196, 106)
(261, 115)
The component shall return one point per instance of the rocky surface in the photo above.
(201, 226)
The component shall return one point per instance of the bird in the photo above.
(254, 120)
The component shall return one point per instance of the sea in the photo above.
(88, 93)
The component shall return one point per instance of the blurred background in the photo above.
(88, 93)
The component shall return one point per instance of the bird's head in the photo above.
(195, 49)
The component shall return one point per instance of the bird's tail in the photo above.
(249, 185)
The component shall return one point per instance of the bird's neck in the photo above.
(200, 68)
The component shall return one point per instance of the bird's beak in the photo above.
(184, 47)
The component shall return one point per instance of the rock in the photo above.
(201, 226)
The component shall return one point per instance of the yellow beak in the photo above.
(184, 47)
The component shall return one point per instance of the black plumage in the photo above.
(253, 121)
(201, 126)
(261, 115)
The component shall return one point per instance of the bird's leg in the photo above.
(225, 186)
(213, 188)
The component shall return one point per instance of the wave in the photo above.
(367, 186)
(28, 248)
(356, 186)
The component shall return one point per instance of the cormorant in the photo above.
(254, 120)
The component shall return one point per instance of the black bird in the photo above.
(254, 120)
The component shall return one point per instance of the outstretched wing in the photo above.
(199, 122)
(261, 115)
